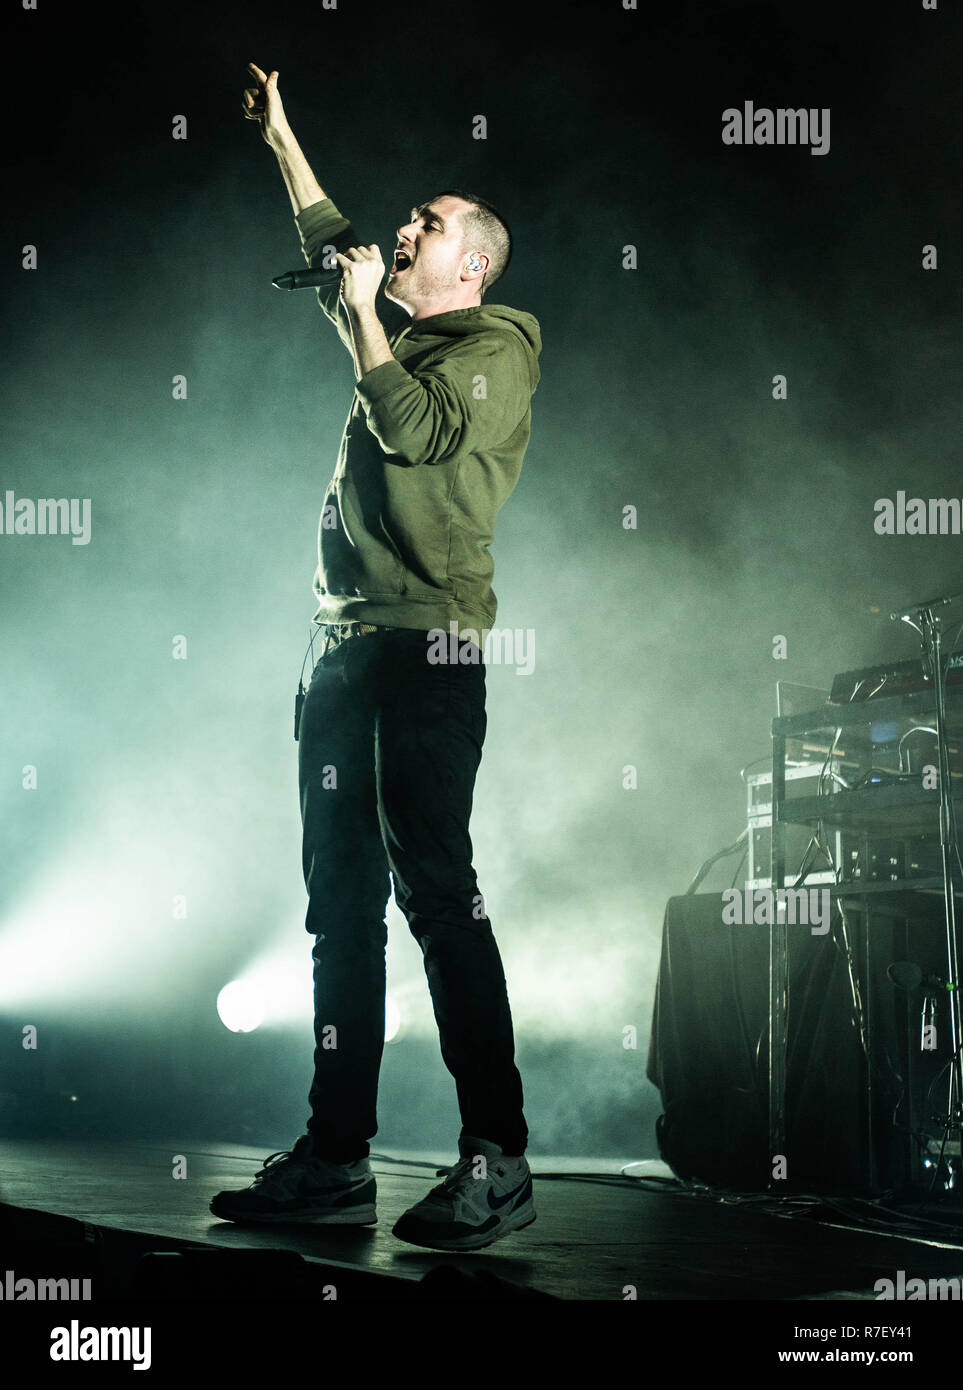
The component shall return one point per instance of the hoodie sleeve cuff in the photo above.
(381, 380)
(319, 225)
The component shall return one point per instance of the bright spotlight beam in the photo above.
(240, 1007)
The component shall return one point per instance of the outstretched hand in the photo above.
(263, 104)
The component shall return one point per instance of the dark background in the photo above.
(159, 778)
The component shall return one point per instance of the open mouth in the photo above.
(401, 262)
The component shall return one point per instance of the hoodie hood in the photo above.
(481, 317)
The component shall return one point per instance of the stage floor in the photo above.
(596, 1231)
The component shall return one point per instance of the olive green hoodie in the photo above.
(432, 449)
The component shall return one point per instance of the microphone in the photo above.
(930, 603)
(306, 279)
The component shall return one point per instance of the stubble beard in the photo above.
(415, 294)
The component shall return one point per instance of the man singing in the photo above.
(392, 727)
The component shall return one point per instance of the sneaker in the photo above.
(295, 1186)
(468, 1213)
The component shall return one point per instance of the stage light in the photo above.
(282, 987)
(240, 1007)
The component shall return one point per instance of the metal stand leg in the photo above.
(778, 965)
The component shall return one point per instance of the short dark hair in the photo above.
(486, 227)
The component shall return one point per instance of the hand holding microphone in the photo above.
(362, 272)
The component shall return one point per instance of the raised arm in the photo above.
(263, 104)
(322, 229)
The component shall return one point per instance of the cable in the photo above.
(719, 854)
(310, 651)
(302, 693)
(916, 729)
(745, 856)
(829, 756)
(845, 950)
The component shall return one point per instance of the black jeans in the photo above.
(388, 751)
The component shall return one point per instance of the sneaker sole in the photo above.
(479, 1242)
(351, 1216)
